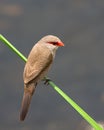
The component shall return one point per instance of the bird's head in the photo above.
(52, 42)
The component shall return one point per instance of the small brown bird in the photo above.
(36, 68)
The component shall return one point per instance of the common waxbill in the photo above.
(37, 65)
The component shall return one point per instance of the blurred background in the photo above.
(78, 68)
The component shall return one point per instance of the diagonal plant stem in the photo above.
(6, 42)
(87, 117)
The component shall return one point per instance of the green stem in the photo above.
(90, 120)
(5, 41)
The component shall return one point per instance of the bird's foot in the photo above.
(46, 81)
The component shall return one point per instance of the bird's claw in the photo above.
(46, 81)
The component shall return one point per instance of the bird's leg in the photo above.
(46, 80)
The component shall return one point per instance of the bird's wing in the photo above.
(38, 61)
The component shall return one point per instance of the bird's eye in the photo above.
(53, 43)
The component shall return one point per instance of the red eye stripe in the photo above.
(53, 43)
(56, 43)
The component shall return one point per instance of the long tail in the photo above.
(28, 92)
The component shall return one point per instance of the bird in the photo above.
(38, 63)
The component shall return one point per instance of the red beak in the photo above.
(60, 44)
